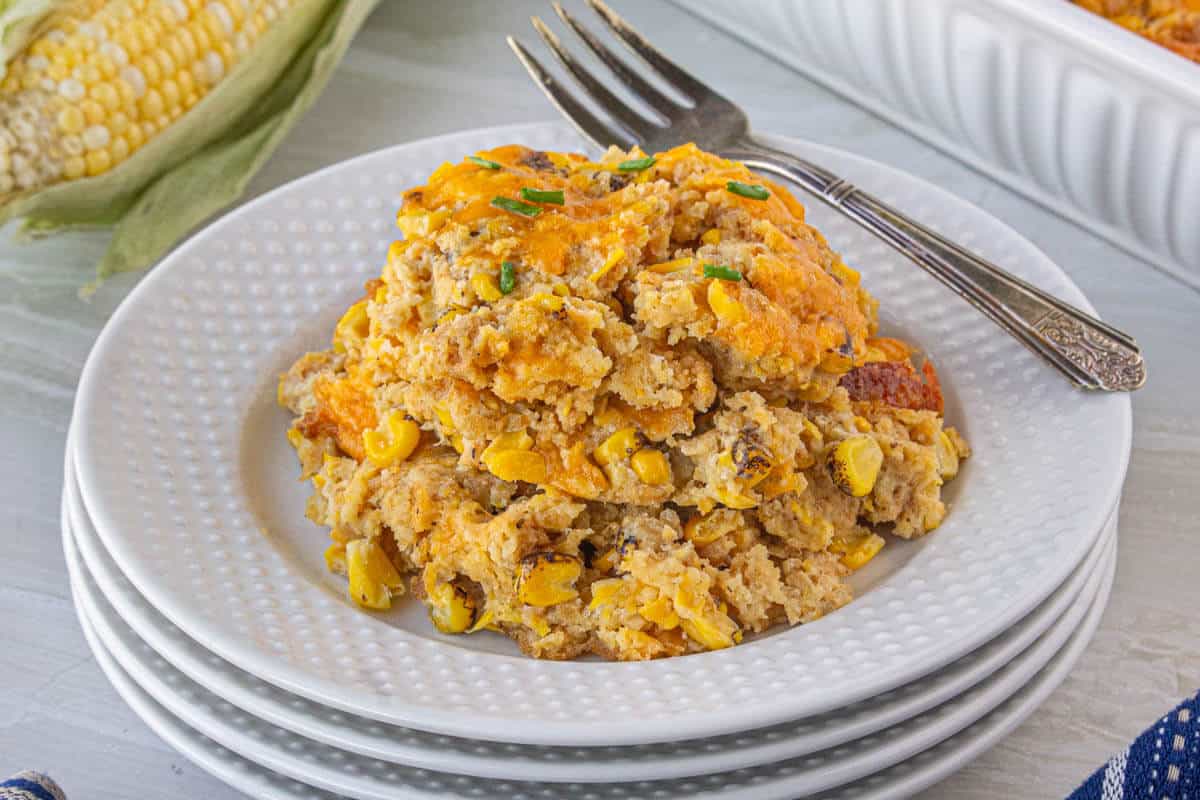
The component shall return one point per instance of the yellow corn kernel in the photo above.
(606, 561)
(397, 444)
(547, 579)
(318, 481)
(711, 236)
(613, 259)
(854, 465)
(618, 447)
(847, 275)
(510, 440)
(862, 424)
(712, 635)
(727, 307)
(704, 529)
(604, 591)
(341, 536)
(651, 466)
(547, 302)
(372, 576)
(353, 326)
(734, 499)
(421, 222)
(380, 296)
(335, 558)
(664, 267)
(578, 476)
(443, 416)
(295, 438)
(858, 550)
(448, 315)
(485, 287)
(947, 455)
(456, 442)
(837, 363)
(451, 609)
(661, 612)
(517, 465)
(561, 289)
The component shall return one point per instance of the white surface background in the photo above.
(422, 69)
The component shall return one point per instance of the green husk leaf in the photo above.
(194, 168)
(18, 20)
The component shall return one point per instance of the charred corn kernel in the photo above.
(547, 302)
(372, 576)
(711, 236)
(485, 287)
(651, 467)
(618, 447)
(451, 609)
(396, 443)
(353, 326)
(335, 558)
(93, 62)
(727, 307)
(676, 265)
(708, 633)
(613, 259)
(857, 551)
(605, 591)
(547, 579)
(854, 465)
(661, 612)
(947, 455)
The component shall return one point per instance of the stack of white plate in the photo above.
(201, 587)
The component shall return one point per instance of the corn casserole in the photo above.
(633, 407)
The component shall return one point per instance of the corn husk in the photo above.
(18, 20)
(203, 161)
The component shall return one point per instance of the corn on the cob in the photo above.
(101, 79)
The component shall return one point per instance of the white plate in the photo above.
(185, 471)
(530, 762)
(283, 751)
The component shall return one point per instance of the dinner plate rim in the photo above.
(573, 732)
(708, 761)
(1069, 635)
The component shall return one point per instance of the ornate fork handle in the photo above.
(1090, 353)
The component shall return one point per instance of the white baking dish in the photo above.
(1067, 108)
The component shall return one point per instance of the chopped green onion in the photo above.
(483, 162)
(751, 190)
(554, 196)
(721, 272)
(516, 206)
(637, 164)
(508, 277)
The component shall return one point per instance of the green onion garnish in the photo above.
(721, 273)
(637, 164)
(516, 206)
(751, 190)
(483, 162)
(508, 277)
(554, 196)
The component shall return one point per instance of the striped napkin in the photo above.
(1161, 764)
(30, 786)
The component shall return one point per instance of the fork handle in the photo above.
(1090, 353)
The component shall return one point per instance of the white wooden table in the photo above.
(419, 69)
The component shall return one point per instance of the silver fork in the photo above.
(1088, 352)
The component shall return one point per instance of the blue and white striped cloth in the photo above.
(1161, 764)
(30, 786)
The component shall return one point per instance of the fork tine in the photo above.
(672, 72)
(612, 104)
(637, 83)
(588, 124)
